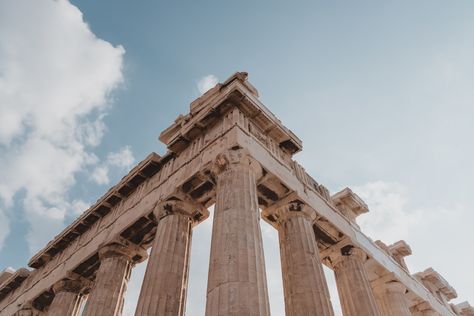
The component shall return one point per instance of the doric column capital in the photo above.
(123, 248)
(390, 287)
(284, 212)
(343, 250)
(424, 309)
(66, 285)
(234, 158)
(189, 209)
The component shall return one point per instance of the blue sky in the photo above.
(381, 93)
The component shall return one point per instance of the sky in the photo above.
(381, 94)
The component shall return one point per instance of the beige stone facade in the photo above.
(231, 151)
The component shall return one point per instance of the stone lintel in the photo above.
(435, 282)
(142, 171)
(350, 204)
(236, 91)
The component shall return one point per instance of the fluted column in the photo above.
(107, 295)
(305, 287)
(237, 282)
(67, 298)
(390, 298)
(355, 292)
(164, 287)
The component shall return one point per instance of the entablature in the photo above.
(13, 281)
(128, 184)
(464, 309)
(6, 274)
(436, 283)
(350, 204)
(205, 111)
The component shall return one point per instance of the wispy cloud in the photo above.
(206, 83)
(122, 159)
(55, 84)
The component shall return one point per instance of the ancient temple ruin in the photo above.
(231, 151)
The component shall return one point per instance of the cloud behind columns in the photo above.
(56, 78)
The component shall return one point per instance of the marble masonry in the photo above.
(231, 151)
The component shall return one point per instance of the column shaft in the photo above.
(164, 287)
(237, 282)
(306, 291)
(355, 292)
(391, 299)
(65, 304)
(107, 295)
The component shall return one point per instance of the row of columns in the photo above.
(237, 280)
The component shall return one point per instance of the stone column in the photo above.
(164, 287)
(107, 295)
(390, 298)
(237, 282)
(67, 298)
(305, 288)
(355, 292)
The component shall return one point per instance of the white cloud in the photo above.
(121, 159)
(390, 218)
(100, 175)
(55, 80)
(206, 83)
(437, 235)
(4, 227)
